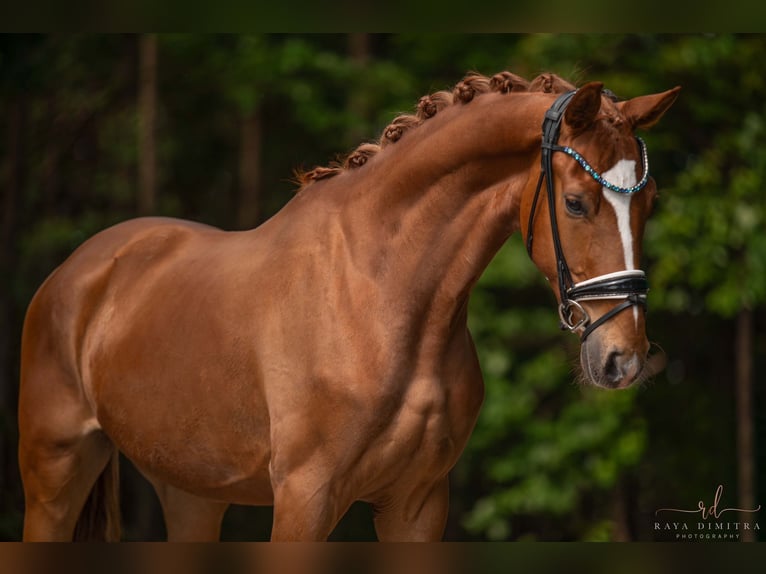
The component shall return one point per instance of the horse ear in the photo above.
(645, 111)
(585, 104)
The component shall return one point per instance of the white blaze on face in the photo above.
(623, 174)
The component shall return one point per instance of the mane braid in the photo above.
(430, 105)
(396, 129)
(550, 84)
(360, 155)
(506, 82)
(471, 86)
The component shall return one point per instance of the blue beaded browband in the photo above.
(598, 177)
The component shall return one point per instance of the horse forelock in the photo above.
(473, 85)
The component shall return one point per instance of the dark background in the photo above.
(96, 129)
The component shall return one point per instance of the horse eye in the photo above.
(575, 206)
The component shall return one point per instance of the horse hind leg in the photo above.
(189, 518)
(63, 453)
(59, 473)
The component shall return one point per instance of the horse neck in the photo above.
(426, 216)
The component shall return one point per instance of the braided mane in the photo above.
(471, 86)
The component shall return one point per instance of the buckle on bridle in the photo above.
(567, 311)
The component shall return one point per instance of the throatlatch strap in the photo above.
(551, 129)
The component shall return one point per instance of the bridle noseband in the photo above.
(629, 286)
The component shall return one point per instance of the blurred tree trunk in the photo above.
(51, 159)
(359, 53)
(143, 510)
(620, 512)
(9, 335)
(147, 108)
(744, 392)
(249, 208)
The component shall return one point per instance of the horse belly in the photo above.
(193, 437)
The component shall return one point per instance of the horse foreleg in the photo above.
(189, 518)
(305, 509)
(420, 516)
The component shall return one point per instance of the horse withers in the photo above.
(324, 357)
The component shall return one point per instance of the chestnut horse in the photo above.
(323, 358)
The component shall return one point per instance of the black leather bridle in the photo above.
(628, 286)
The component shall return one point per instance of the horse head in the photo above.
(589, 223)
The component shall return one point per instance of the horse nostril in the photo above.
(612, 368)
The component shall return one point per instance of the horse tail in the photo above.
(100, 517)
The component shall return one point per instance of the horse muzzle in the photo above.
(615, 355)
(611, 367)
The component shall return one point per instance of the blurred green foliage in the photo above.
(550, 458)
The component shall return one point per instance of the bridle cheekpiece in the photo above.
(629, 286)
